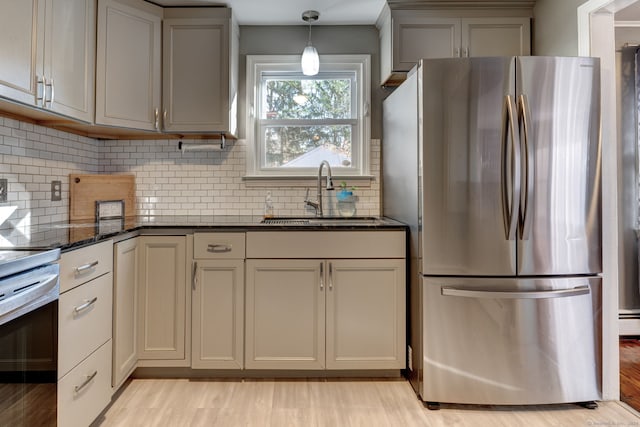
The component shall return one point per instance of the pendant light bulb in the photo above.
(310, 61)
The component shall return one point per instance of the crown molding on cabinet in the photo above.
(460, 4)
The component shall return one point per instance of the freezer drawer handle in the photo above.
(559, 293)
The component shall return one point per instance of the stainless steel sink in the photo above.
(333, 221)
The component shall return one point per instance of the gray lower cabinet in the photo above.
(325, 314)
(325, 300)
(84, 334)
(285, 314)
(125, 310)
(365, 314)
(217, 314)
(162, 327)
(217, 301)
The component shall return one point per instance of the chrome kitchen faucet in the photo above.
(317, 204)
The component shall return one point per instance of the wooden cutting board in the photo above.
(85, 189)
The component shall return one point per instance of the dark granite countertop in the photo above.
(66, 236)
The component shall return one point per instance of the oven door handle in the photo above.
(34, 294)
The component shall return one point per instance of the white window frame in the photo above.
(259, 65)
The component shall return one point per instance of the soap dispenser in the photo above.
(268, 206)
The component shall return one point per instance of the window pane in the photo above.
(307, 146)
(307, 99)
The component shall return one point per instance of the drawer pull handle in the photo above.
(330, 276)
(89, 378)
(321, 276)
(83, 268)
(195, 275)
(88, 303)
(217, 249)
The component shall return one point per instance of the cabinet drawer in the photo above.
(82, 265)
(85, 391)
(84, 321)
(218, 245)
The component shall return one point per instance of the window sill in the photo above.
(362, 181)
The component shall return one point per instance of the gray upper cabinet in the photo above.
(409, 35)
(47, 51)
(21, 41)
(128, 66)
(200, 70)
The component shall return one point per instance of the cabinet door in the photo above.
(218, 311)
(196, 74)
(366, 314)
(21, 49)
(415, 38)
(285, 306)
(128, 65)
(496, 36)
(162, 298)
(125, 310)
(70, 57)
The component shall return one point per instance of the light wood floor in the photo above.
(366, 403)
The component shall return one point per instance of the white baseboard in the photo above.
(628, 327)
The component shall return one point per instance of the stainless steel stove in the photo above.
(29, 290)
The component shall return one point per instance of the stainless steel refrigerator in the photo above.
(495, 165)
(628, 77)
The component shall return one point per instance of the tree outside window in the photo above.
(300, 120)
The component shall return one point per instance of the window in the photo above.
(296, 121)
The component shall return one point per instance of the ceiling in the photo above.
(289, 12)
(332, 12)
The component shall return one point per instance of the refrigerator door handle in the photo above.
(510, 170)
(527, 168)
(487, 294)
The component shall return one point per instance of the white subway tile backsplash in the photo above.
(168, 182)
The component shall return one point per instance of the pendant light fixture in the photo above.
(310, 60)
